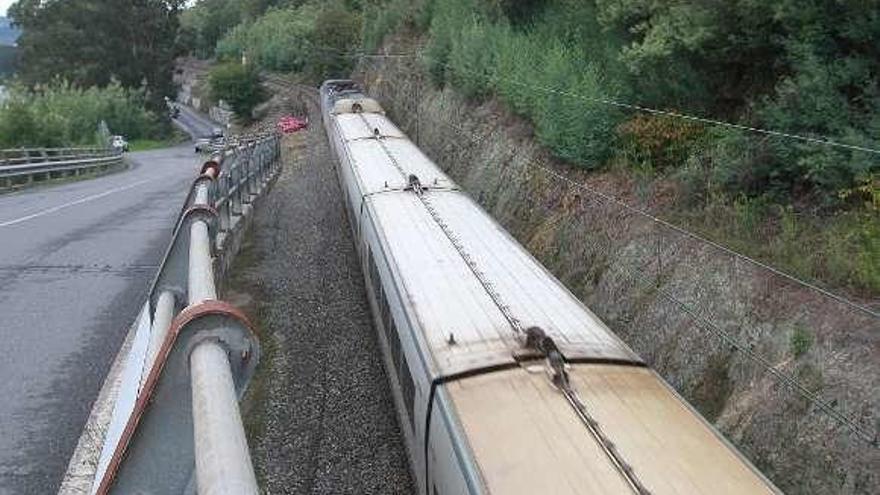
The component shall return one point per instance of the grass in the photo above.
(839, 251)
(155, 144)
(800, 341)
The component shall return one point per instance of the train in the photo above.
(504, 382)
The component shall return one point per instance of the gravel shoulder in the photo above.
(319, 415)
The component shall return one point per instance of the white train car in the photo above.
(504, 382)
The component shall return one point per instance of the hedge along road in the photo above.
(76, 261)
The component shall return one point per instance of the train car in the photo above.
(504, 382)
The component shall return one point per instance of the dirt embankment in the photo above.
(789, 374)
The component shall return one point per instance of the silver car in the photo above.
(203, 145)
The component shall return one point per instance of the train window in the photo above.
(391, 330)
(374, 273)
(351, 218)
(394, 344)
(405, 379)
(388, 318)
(408, 389)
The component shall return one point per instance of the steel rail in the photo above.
(19, 171)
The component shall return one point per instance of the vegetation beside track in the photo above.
(572, 68)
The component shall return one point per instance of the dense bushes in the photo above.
(276, 41)
(63, 115)
(208, 21)
(550, 79)
(806, 68)
(238, 85)
(313, 39)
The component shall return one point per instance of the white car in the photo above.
(119, 143)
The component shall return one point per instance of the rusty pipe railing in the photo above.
(176, 426)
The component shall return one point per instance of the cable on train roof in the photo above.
(416, 186)
(537, 340)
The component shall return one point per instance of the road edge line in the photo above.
(83, 463)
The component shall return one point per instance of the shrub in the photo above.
(312, 39)
(472, 58)
(278, 40)
(381, 19)
(334, 35)
(540, 74)
(238, 85)
(657, 142)
(63, 115)
(801, 340)
(569, 115)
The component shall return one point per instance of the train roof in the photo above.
(452, 304)
(471, 289)
(515, 418)
(376, 163)
(441, 291)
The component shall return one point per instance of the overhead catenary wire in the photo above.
(815, 139)
(822, 140)
(679, 230)
(870, 437)
(682, 231)
(793, 383)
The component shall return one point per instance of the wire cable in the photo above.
(870, 437)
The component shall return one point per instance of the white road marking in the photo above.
(73, 203)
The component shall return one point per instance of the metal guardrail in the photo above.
(176, 425)
(24, 166)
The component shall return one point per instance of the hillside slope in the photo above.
(730, 335)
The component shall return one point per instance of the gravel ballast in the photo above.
(319, 413)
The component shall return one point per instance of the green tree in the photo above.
(238, 85)
(207, 22)
(336, 32)
(94, 42)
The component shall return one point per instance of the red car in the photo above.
(291, 124)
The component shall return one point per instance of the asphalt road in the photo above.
(195, 124)
(76, 261)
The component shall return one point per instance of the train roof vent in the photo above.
(356, 104)
(414, 183)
